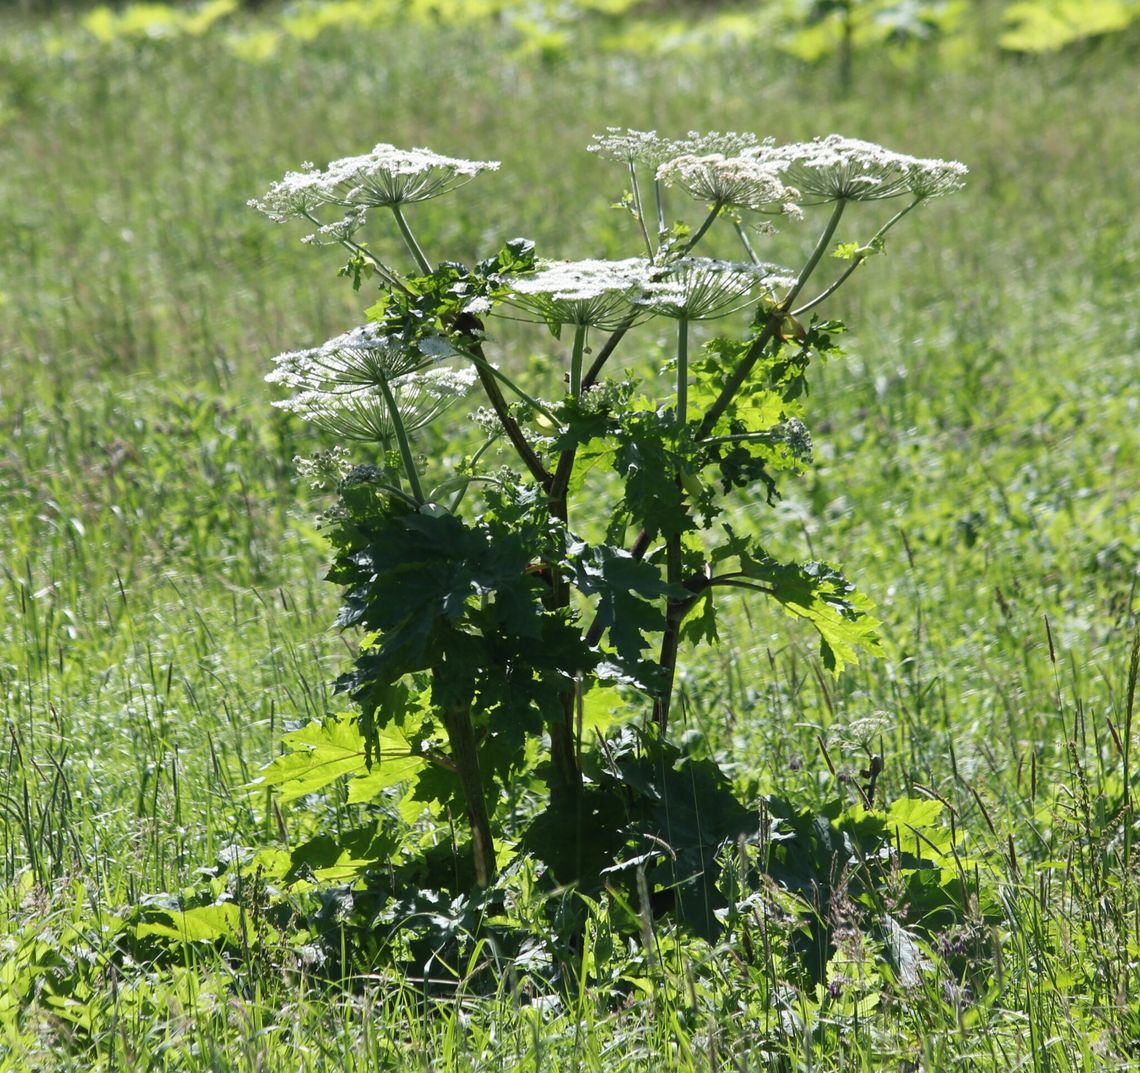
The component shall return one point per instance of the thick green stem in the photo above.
(670, 639)
(682, 371)
(410, 241)
(465, 756)
(565, 468)
(567, 782)
(475, 355)
(709, 220)
(489, 377)
(401, 439)
(576, 359)
(673, 610)
(511, 428)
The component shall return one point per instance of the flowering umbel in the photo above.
(593, 293)
(700, 288)
(741, 182)
(362, 383)
(837, 168)
(387, 176)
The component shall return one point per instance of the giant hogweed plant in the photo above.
(499, 599)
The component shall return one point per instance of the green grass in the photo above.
(164, 618)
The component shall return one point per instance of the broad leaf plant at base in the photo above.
(499, 603)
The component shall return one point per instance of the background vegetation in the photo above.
(164, 618)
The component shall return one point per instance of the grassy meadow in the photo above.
(165, 620)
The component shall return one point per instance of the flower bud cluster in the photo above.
(325, 469)
(797, 439)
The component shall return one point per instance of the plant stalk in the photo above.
(465, 755)
(682, 410)
(876, 237)
(641, 544)
(410, 241)
(401, 439)
(638, 209)
(768, 333)
(670, 638)
(489, 379)
(576, 359)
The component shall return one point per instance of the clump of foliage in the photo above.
(509, 601)
(810, 30)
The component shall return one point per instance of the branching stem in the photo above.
(389, 277)
(753, 354)
(682, 410)
(857, 261)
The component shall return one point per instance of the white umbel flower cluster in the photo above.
(386, 176)
(648, 147)
(835, 168)
(343, 385)
(741, 182)
(742, 171)
(592, 293)
(700, 288)
(631, 146)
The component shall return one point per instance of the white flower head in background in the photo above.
(392, 176)
(348, 385)
(631, 146)
(729, 143)
(837, 168)
(386, 176)
(593, 293)
(648, 147)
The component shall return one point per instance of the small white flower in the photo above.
(797, 439)
(338, 231)
(591, 292)
(834, 168)
(311, 956)
(478, 306)
(648, 147)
